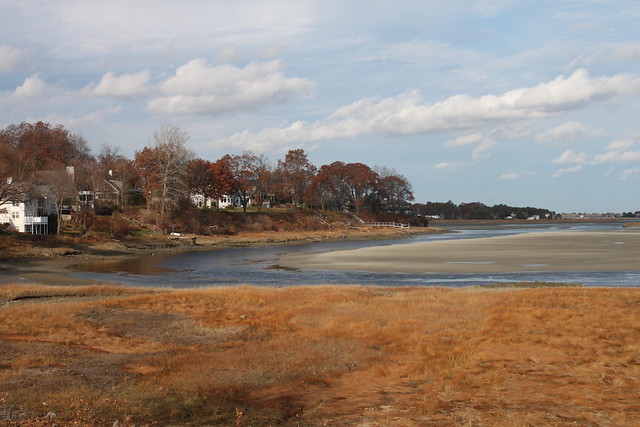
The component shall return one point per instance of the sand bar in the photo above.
(544, 251)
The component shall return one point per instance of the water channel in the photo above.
(259, 266)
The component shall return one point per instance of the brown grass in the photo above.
(326, 355)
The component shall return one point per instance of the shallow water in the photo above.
(259, 266)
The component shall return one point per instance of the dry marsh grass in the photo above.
(327, 355)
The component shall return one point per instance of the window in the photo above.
(16, 204)
(15, 215)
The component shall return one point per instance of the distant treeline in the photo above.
(477, 210)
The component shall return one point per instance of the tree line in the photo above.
(477, 210)
(166, 173)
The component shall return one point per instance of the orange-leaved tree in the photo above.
(294, 175)
(221, 179)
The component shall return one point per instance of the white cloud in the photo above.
(619, 151)
(407, 114)
(483, 145)
(570, 156)
(563, 171)
(569, 131)
(621, 144)
(446, 165)
(464, 140)
(123, 86)
(200, 88)
(617, 157)
(11, 58)
(482, 150)
(510, 176)
(34, 87)
(628, 173)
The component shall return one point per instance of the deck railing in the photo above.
(30, 220)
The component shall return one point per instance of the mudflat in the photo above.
(617, 250)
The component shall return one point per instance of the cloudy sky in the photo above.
(529, 103)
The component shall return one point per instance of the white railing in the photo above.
(30, 220)
(386, 224)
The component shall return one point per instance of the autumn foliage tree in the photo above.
(250, 176)
(44, 146)
(361, 181)
(329, 186)
(222, 182)
(392, 187)
(200, 177)
(294, 175)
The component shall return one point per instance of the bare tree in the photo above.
(116, 171)
(63, 189)
(163, 168)
(252, 177)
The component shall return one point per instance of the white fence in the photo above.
(386, 224)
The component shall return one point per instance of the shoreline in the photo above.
(51, 265)
(517, 253)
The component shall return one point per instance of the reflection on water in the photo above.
(142, 265)
(259, 266)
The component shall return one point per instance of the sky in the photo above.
(528, 103)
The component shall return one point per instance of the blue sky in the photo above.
(529, 103)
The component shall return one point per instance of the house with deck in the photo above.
(30, 215)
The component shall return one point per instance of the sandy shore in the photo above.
(548, 251)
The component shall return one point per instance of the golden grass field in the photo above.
(316, 356)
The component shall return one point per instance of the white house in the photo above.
(224, 202)
(29, 216)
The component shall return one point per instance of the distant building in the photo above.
(398, 207)
(228, 201)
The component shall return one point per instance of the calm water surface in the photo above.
(259, 266)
